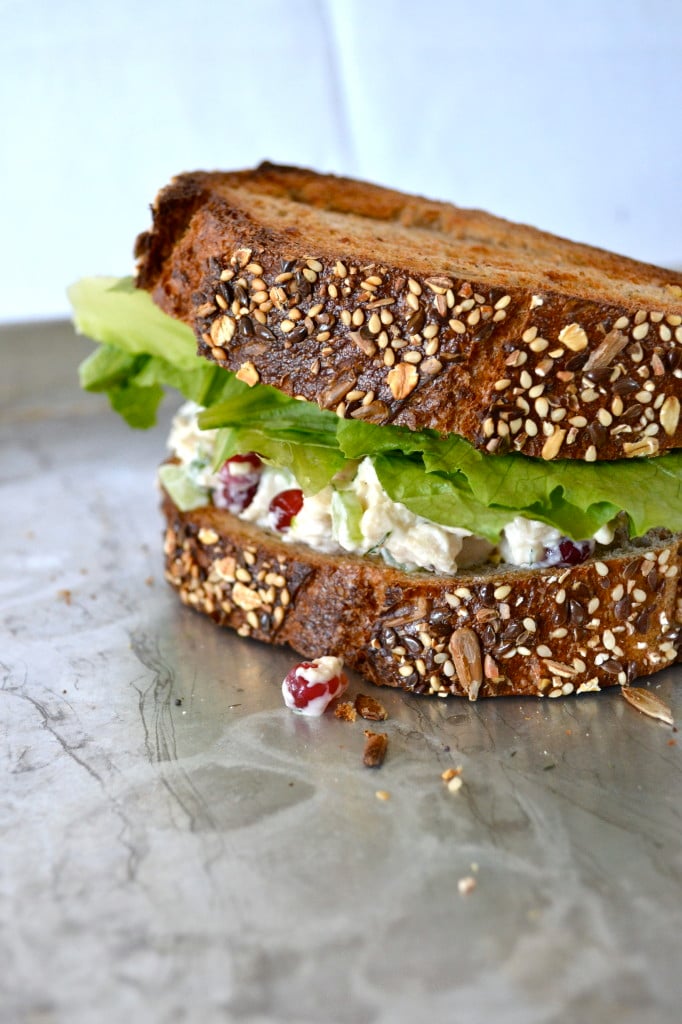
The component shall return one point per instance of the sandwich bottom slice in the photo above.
(488, 630)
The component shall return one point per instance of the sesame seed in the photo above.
(602, 570)
(501, 592)
(543, 651)
(458, 327)
(503, 302)
(640, 331)
(207, 536)
(591, 454)
(414, 286)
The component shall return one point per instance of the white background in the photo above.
(568, 116)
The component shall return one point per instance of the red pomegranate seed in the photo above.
(284, 506)
(310, 687)
(238, 478)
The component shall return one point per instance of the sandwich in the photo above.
(438, 445)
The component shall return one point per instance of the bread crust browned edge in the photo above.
(549, 371)
(487, 632)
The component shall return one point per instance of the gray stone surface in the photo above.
(178, 847)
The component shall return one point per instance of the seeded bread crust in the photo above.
(484, 633)
(395, 309)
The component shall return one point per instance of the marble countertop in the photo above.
(177, 846)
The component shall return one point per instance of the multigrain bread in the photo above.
(395, 309)
(491, 631)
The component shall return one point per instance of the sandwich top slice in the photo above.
(440, 445)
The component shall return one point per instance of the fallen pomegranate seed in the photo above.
(239, 477)
(309, 688)
(284, 506)
(568, 552)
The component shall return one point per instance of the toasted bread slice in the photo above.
(395, 309)
(486, 632)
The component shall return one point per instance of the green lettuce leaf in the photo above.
(143, 351)
(112, 310)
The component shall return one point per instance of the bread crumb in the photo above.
(345, 711)
(370, 708)
(375, 749)
(64, 595)
(466, 885)
(455, 784)
(450, 773)
(382, 794)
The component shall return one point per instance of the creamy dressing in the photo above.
(359, 517)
